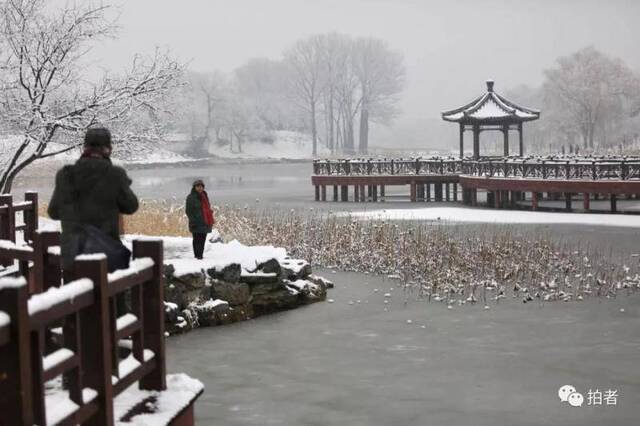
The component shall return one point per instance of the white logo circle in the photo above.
(576, 399)
(565, 391)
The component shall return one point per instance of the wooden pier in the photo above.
(508, 182)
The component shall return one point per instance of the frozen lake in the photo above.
(341, 364)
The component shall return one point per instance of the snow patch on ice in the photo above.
(478, 215)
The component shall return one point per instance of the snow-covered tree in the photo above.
(380, 72)
(592, 93)
(45, 94)
(307, 81)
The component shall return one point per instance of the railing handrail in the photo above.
(581, 168)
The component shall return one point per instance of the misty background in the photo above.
(449, 48)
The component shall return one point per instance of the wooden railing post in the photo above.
(15, 375)
(45, 274)
(95, 334)
(30, 216)
(7, 224)
(153, 296)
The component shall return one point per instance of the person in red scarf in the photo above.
(200, 216)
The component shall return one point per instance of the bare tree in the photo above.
(590, 90)
(381, 74)
(44, 93)
(307, 82)
(205, 99)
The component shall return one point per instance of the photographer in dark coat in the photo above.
(91, 192)
(200, 216)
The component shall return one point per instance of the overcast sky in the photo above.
(450, 47)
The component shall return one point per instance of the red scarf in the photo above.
(207, 213)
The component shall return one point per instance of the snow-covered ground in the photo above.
(134, 154)
(480, 215)
(287, 145)
(178, 252)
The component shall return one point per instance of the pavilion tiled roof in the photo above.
(491, 108)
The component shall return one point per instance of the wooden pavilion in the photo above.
(490, 111)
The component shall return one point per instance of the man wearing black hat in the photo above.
(91, 192)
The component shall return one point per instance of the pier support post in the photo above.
(317, 192)
(375, 193)
(428, 196)
(534, 200)
(497, 199)
(585, 201)
(381, 192)
(356, 193)
(420, 190)
(323, 192)
(362, 194)
(446, 191)
(413, 192)
(567, 201)
(344, 193)
(455, 191)
(614, 203)
(474, 197)
(438, 191)
(335, 192)
(370, 192)
(490, 198)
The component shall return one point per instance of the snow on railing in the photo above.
(125, 320)
(4, 319)
(56, 358)
(53, 296)
(10, 245)
(135, 267)
(12, 282)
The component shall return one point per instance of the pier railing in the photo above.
(585, 168)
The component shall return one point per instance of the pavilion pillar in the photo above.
(461, 141)
(520, 139)
(476, 142)
(505, 134)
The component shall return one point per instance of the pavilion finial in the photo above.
(489, 85)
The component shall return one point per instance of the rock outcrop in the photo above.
(230, 294)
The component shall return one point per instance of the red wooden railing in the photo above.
(93, 330)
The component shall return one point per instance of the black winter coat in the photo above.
(193, 209)
(93, 192)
